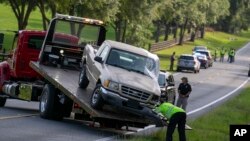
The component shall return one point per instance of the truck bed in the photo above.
(67, 82)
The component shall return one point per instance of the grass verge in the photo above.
(213, 40)
(213, 126)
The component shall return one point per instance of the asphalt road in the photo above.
(19, 121)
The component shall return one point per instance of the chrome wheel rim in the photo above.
(81, 76)
(95, 96)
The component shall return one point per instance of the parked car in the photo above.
(167, 85)
(203, 60)
(188, 62)
(208, 54)
(199, 48)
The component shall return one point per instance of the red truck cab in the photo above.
(15, 71)
(28, 46)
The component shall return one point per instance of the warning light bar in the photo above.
(79, 19)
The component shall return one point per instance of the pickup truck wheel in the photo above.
(2, 101)
(83, 80)
(97, 101)
(50, 107)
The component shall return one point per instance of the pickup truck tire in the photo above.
(2, 101)
(83, 80)
(50, 107)
(97, 101)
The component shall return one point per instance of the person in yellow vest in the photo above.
(222, 53)
(175, 116)
(231, 54)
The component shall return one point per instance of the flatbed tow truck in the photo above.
(59, 65)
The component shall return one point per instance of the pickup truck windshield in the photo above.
(133, 62)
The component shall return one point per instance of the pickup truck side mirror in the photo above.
(98, 59)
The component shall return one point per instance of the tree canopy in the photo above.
(138, 21)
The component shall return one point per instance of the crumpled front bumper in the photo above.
(130, 106)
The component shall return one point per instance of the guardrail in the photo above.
(167, 44)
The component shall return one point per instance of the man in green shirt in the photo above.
(222, 53)
(174, 115)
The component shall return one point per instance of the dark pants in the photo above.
(180, 119)
(231, 59)
(171, 66)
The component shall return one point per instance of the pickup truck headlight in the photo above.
(111, 85)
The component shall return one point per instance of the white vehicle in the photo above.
(208, 54)
(203, 60)
(167, 85)
(188, 62)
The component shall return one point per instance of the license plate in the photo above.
(133, 104)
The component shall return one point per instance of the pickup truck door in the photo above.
(97, 67)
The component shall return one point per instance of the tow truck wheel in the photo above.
(2, 101)
(97, 101)
(49, 106)
(83, 80)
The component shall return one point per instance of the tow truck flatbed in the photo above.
(67, 82)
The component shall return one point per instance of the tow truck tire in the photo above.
(83, 80)
(67, 106)
(50, 107)
(2, 101)
(97, 101)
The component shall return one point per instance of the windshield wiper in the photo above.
(134, 70)
(115, 65)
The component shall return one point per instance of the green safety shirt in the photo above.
(232, 53)
(222, 52)
(168, 109)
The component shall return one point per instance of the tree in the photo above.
(41, 4)
(22, 10)
(237, 18)
(165, 19)
(134, 19)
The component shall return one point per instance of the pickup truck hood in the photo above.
(133, 79)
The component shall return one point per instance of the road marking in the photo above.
(189, 113)
(18, 116)
(220, 99)
(196, 110)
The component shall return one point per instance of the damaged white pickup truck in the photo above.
(124, 76)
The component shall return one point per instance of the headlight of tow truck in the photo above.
(111, 85)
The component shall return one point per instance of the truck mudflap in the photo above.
(67, 82)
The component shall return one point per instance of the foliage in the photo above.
(21, 10)
(238, 19)
(136, 22)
